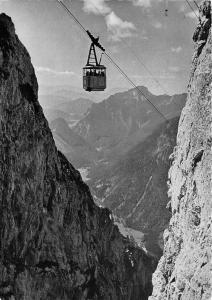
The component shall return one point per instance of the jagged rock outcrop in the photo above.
(184, 271)
(55, 243)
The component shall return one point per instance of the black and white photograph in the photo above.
(105, 150)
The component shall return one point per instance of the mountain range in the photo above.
(120, 122)
(60, 107)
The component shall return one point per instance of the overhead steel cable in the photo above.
(112, 61)
(146, 68)
(139, 60)
(192, 9)
(196, 4)
(134, 85)
(70, 13)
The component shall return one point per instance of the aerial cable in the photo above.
(139, 60)
(95, 41)
(133, 84)
(70, 13)
(192, 9)
(196, 4)
(146, 68)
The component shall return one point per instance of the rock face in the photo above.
(54, 242)
(183, 272)
(135, 187)
(76, 149)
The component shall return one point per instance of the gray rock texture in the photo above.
(184, 271)
(55, 243)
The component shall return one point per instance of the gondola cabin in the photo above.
(94, 78)
(94, 74)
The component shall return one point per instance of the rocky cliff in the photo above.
(184, 271)
(54, 242)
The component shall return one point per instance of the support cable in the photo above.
(192, 9)
(111, 60)
(139, 60)
(72, 15)
(147, 69)
(134, 85)
(196, 4)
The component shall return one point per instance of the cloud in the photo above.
(54, 72)
(115, 25)
(98, 7)
(118, 28)
(158, 76)
(174, 69)
(176, 49)
(192, 14)
(157, 25)
(142, 3)
(182, 7)
(114, 49)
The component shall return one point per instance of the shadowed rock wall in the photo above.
(184, 271)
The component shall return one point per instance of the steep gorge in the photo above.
(55, 243)
(184, 271)
(135, 188)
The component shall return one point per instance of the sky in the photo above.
(144, 42)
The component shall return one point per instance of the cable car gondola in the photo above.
(94, 74)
